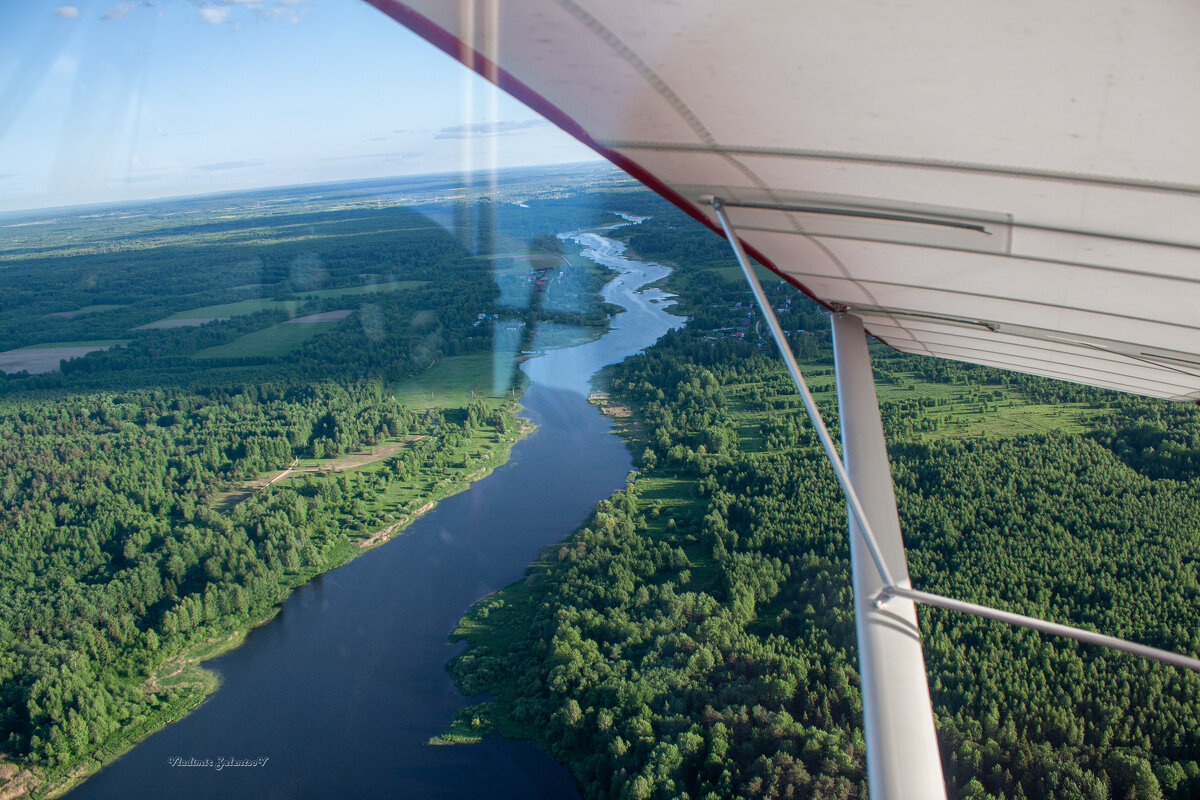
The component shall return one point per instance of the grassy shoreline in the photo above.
(494, 622)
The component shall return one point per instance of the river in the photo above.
(336, 696)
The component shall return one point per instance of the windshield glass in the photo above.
(364, 434)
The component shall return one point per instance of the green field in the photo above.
(87, 310)
(390, 286)
(237, 309)
(453, 381)
(719, 579)
(276, 340)
(734, 273)
(522, 262)
(91, 343)
(554, 335)
(963, 410)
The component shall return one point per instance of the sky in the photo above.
(114, 101)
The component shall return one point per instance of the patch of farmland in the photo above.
(46, 357)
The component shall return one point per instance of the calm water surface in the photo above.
(340, 691)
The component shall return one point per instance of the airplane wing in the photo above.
(1014, 184)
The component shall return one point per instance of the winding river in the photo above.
(337, 695)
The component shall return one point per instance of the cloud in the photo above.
(161, 131)
(220, 165)
(500, 128)
(214, 15)
(220, 12)
(67, 12)
(118, 11)
(394, 156)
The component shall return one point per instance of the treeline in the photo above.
(695, 638)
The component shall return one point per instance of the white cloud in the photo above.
(224, 165)
(498, 128)
(285, 11)
(118, 11)
(219, 12)
(214, 15)
(67, 12)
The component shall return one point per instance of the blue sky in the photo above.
(110, 101)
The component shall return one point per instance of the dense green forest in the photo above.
(138, 531)
(695, 638)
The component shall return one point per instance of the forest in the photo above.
(139, 533)
(695, 638)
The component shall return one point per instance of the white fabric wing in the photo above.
(1014, 184)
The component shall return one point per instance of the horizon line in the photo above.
(231, 192)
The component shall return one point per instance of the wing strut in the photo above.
(903, 762)
(857, 513)
(902, 751)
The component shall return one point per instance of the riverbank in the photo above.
(186, 685)
(499, 623)
(178, 684)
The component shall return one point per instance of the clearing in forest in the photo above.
(240, 308)
(390, 286)
(46, 357)
(277, 340)
(85, 311)
(323, 316)
(452, 382)
(199, 316)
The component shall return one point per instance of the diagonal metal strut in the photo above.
(810, 405)
(890, 587)
(1044, 626)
